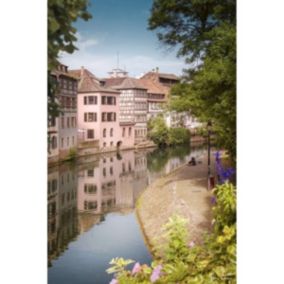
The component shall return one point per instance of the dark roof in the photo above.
(110, 82)
(130, 83)
(161, 75)
(168, 76)
(89, 82)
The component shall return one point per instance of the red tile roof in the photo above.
(89, 82)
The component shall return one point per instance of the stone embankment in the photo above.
(183, 192)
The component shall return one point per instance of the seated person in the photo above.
(192, 162)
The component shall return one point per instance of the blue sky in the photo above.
(120, 26)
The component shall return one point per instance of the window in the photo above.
(104, 132)
(123, 131)
(90, 188)
(90, 205)
(111, 132)
(73, 140)
(62, 122)
(111, 171)
(104, 145)
(73, 100)
(68, 122)
(129, 131)
(123, 167)
(73, 121)
(67, 141)
(53, 142)
(51, 121)
(62, 142)
(111, 143)
(108, 100)
(108, 116)
(104, 172)
(90, 173)
(90, 116)
(111, 159)
(90, 134)
(90, 100)
(54, 185)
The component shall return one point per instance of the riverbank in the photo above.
(182, 192)
(83, 155)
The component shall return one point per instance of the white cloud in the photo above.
(100, 65)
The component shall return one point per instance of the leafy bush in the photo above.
(178, 136)
(158, 131)
(164, 136)
(72, 154)
(213, 262)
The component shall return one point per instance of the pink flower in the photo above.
(191, 244)
(156, 273)
(136, 268)
(113, 281)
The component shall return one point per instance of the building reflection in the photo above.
(62, 209)
(112, 183)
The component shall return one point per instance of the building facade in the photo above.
(98, 115)
(133, 106)
(62, 130)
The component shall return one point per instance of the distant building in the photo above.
(117, 73)
(161, 83)
(62, 130)
(156, 97)
(133, 106)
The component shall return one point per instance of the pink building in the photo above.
(98, 116)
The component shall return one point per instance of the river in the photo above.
(91, 215)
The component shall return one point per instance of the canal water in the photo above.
(91, 215)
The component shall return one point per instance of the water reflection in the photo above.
(81, 195)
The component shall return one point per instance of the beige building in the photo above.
(62, 130)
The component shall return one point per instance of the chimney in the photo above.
(82, 71)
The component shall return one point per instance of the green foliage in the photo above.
(164, 136)
(158, 131)
(176, 234)
(61, 37)
(178, 136)
(213, 262)
(61, 32)
(205, 32)
(118, 265)
(72, 154)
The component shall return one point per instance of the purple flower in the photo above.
(213, 200)
(136, 268)
(113, 281)
(191, 244)
(156, 273)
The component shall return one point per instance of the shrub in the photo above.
(72, 154)
(178, 136)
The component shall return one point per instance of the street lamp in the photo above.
(209, 127)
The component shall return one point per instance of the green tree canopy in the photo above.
(61, 37)
(205, 32)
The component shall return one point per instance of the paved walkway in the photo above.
(183, 192)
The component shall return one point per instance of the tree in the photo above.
(61, 37)
(158, 131)
(205, 33)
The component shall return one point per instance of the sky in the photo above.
(118, 29)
